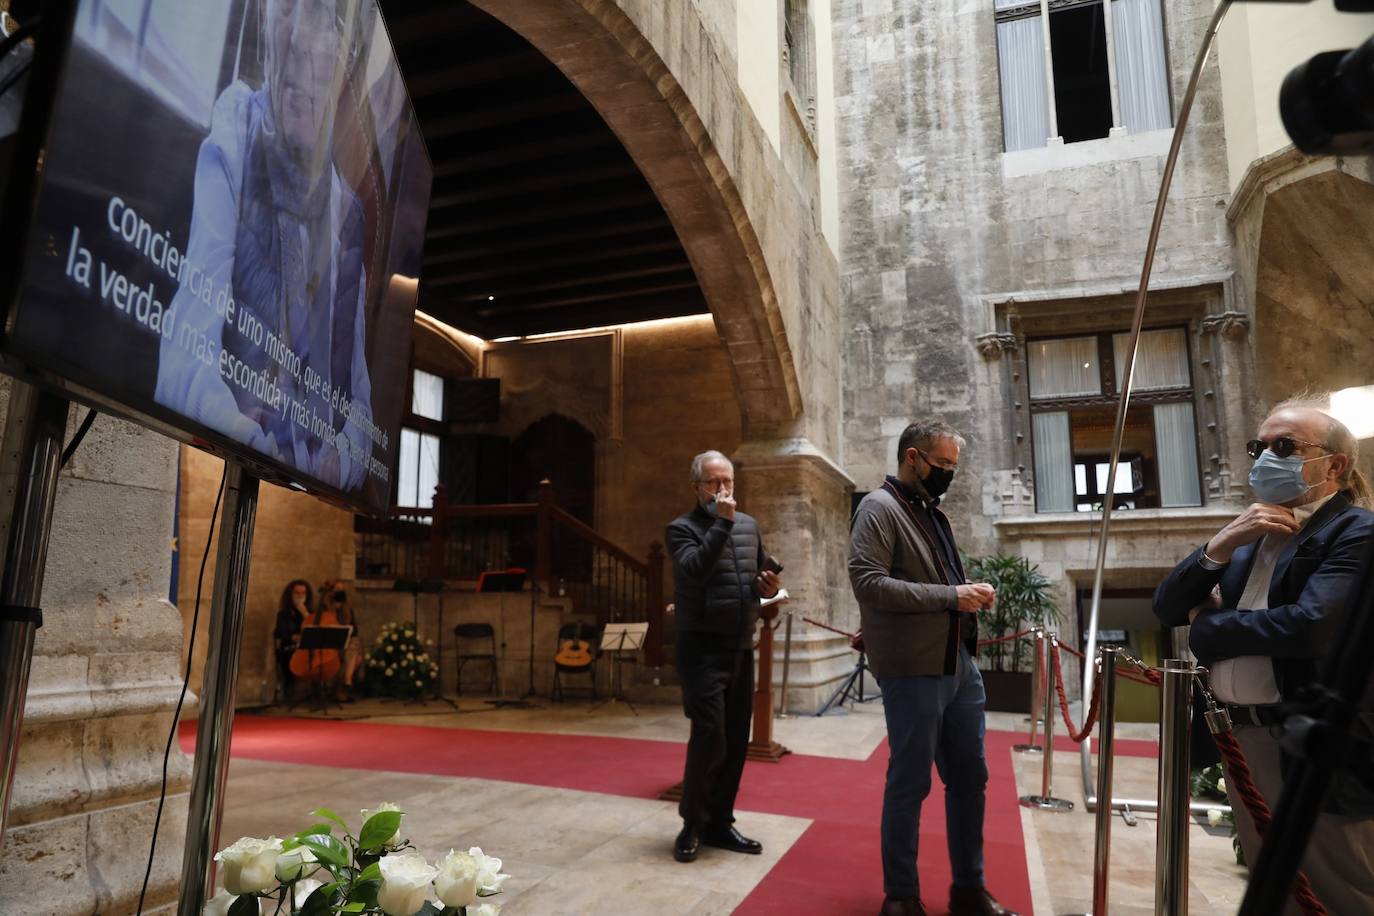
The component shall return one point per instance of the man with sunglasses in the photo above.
(920, 630)
(1265, 598)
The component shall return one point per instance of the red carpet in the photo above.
(833, 868)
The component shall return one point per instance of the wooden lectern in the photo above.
(761, 745)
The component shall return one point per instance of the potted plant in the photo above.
(1023, 601)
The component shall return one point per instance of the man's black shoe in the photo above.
(733, 840)
(685, 846)
(975, 901)
(902, 906)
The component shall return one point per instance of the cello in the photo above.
(317, 664)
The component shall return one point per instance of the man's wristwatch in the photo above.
(1207, 562)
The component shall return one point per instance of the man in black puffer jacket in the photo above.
(718, 580)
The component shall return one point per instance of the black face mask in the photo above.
(937, 481)
(340, 597)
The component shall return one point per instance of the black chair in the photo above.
(465, 635)
(591, 633)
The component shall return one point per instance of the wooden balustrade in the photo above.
(458, 541)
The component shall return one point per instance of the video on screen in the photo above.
(229, 228)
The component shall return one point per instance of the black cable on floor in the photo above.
(185, 682)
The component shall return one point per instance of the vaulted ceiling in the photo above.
(539, 220)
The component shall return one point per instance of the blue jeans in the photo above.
(934, 719)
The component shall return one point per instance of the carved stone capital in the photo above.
(994, 344)
(1231, 325)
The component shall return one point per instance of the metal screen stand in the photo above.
(211, 767)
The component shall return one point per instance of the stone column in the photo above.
(105, 679)
(801, 501)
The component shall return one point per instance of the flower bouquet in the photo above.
(324, 869)
(399, 665)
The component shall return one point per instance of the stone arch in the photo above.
(606, 57)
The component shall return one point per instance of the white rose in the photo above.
(394, 637)
(390, 649)
(304, 889)
(250, 865)
(406, 882)
(396, 839)
(457, 880)
(410, 655)
(1214, 817)
(486, 909)
(489, 878)
(419, 683)
(219, 904)
(390, 672)
(295, 864)
(1221, 784)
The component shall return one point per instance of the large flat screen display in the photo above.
(225, 235)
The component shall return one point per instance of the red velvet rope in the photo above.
(1239, 772)
(990, 642)
(1064, 701)
(1149, 678)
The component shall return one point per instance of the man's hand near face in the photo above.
(1255, 522)
(725, 505)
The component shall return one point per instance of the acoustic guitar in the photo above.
(573, 653)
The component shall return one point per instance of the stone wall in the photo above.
(948, 239)
(104, 682)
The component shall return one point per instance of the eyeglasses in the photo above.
(1283, 446)
(941, 463)
(716, 484)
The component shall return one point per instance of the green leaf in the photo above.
(365, 892)
(372, 873)
(329, 815)
(320, 902)
(379, 828)
(244, 905)
(325, 829)
(353, 908)
(327, 849)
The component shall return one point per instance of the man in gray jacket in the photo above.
(920, 630)
(719, 576)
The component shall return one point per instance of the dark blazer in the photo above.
(715, 561)
(1308, 595)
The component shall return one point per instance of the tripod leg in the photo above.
(843, 690)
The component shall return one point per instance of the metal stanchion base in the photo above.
(1028, 749)
(1046, 803)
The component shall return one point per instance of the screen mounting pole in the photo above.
(211, 767)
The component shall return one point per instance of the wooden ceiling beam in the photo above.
(535, 245)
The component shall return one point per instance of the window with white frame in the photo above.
(1074, 384)
(1055, 58)
(417, 471)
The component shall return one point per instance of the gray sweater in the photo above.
(910, 616)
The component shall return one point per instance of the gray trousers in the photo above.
(1340, 854)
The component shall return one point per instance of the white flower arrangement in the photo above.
(324, 869)
(398, 665)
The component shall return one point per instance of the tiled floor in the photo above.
(585, 853)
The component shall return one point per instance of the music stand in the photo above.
(512, 579)
(323, 638)
(617, 639)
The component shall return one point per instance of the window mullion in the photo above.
(1111, 66)
(1049, 71)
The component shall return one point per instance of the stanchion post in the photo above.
(1171, 830)
(1046, 800)
(1037, 686)
(1106, 730)
(34, 428)
(786, 662)
(211, 767)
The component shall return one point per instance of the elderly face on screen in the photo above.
(307, 47)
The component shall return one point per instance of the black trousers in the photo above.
(717, 689)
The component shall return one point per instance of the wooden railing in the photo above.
(567, 556)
